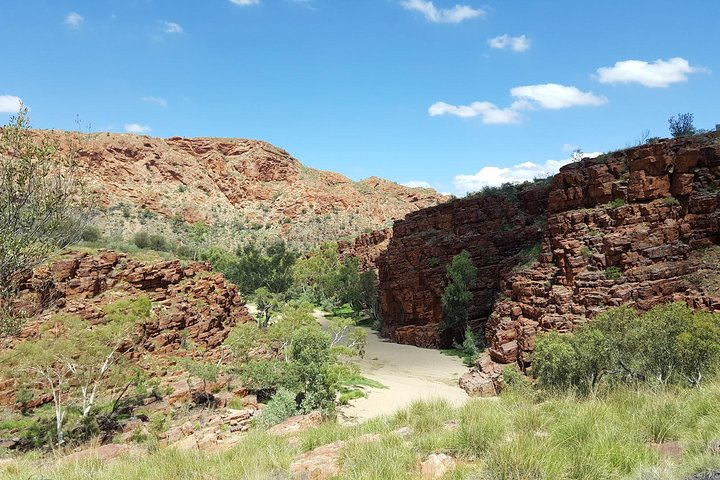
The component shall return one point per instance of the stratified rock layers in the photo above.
(635, 227)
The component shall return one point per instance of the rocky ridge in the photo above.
(239, 187)
(639, 227)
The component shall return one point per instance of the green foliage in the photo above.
(616, 203)
(281, 407)
(514, 381)
(613, 273)
(668, 344)
(671, 201)
(156, 242)
(528, 256)
(90, 234)
(252, 268)
(42, 202)
(682, 125)
(76, 362)
(554, 361)
(326, 279)
(457, 297)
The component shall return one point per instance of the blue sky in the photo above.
(456, 93)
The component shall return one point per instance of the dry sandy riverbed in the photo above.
(410, 373)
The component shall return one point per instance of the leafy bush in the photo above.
(91, 234)
(41, 199)
(682, 125)
(668, 344)
(457, 297)
(613, 273)
(280, 407)
(156, 242)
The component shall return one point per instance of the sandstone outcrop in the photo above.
(639, 227)
(495, 230)
(193, 310)
(366, 247)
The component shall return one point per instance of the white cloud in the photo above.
(569, 147)
(552, 96)
(245, 3)
(74, 20)
(417, 184)
(516, 44)
(456, 14)
(494, 176)
(172, 27)
(10, 104)
(136, 128)
(659, 74)
(490, 113)
(159, 101)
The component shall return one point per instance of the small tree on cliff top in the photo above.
(457, 297)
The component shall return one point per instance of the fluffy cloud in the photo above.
(10, 104)
(494, 176)
(659, 74)
(552, 96)
(136, 128)
(442, 15)
(74, 20)
(172, 27)
(159, 101)
(245, 3)
(417, 184)
(490, 113)
(516, 44)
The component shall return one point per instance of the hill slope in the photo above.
(241, 188)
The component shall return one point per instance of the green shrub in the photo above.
(91, 234)
(668, 344)
(616, 203)
(613, 273)
(457, 296)
(156, 242)
(670, 201)
(682, 125)
(281, 406)
(514, 381)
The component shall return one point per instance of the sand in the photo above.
(410, 373)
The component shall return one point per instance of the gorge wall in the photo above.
(639, 227)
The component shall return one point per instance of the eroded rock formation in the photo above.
(367, 247)
(493, 229)
(193, 309)
(639, 227)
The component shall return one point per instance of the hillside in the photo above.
(240, 188)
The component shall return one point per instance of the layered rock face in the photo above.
(367, 248)
(656, 242)
(637, 227)
(493, 229)
(191, 304)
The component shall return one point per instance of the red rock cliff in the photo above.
(636, 227)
